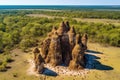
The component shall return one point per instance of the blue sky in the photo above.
(59, 2)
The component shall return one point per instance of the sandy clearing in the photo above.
(63, 70)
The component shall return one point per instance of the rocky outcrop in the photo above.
(38, 60)
(62, 46)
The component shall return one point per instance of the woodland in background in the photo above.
(19, 30)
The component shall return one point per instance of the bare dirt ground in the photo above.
(59, 70)
(63, 70)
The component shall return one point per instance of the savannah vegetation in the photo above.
(21, 31)
(17, 29)
(102, 14)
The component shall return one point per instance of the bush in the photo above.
(26, 43)
(8, 59)
(3, 66)
(0, 62)
(15, 75)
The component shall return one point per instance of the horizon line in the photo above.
(59, 5)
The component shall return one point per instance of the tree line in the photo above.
(24, 32)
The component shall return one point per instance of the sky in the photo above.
(59, 2)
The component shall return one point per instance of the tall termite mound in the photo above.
(38, 60)
(45, 46)
(84, 40)
(77, 61)
(64, 46)
(54, 55)
(71, 34)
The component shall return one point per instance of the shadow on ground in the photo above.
(5, 69)
(93, 63)
(49, 72)
(94, 52)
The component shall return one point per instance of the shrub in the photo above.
(0, 62)
(8, 59)
(15, 75)
(3, 67)
(26, 43)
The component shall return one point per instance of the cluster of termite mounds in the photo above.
(62, 46)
